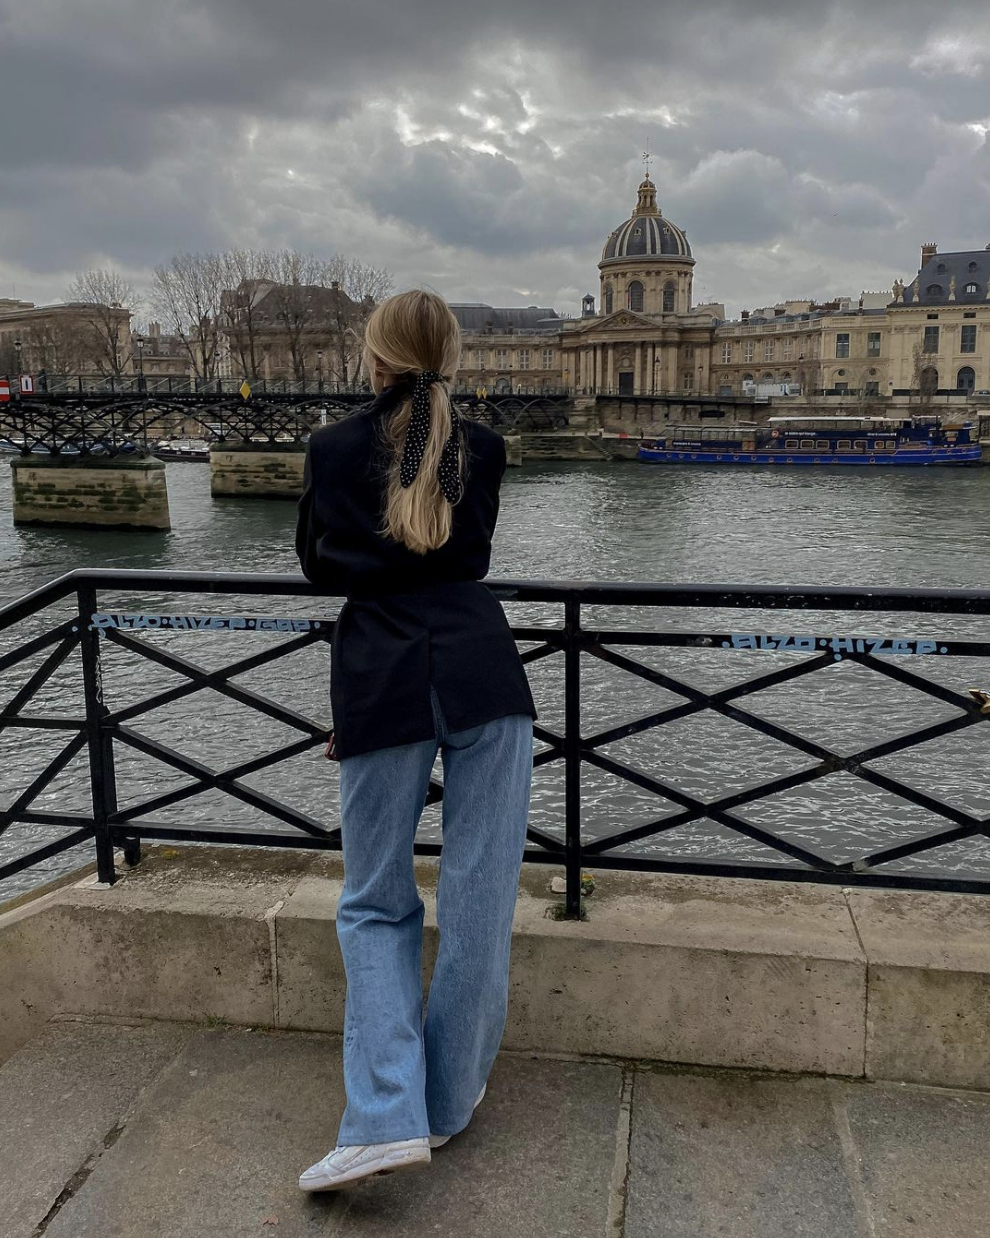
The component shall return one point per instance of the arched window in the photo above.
(634, 296)
(929, 380)
(609, 297)
(747, 378)
(972, 288)
(966, 379)
(933, 290)
(669, 293)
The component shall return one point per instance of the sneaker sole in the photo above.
(372, 1169)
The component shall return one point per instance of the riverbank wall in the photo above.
(271, 472)
(90, 492)
(778, 976)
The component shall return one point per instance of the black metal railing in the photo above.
(86, 622)
(112, 423)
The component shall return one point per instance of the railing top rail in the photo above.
(729, 596)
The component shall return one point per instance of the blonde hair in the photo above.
(407, 334)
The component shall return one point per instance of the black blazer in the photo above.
(411, 622)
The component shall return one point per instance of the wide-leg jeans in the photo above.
(405, 1079)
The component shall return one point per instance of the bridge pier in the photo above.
(257, 471)
(115, 492)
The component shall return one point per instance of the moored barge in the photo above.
(818, 440)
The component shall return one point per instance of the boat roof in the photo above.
(893, 421)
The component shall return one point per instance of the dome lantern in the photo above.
(647, 204)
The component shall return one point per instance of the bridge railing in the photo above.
(181, 384)
(71, 635)
(110, 423)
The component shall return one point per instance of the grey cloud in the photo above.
(489, 151)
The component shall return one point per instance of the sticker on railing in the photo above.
(102, 622)
(838, 646)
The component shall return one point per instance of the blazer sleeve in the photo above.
(309, 530)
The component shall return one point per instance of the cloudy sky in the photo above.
(486, 150)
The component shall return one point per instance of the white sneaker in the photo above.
(343, 1166)
(437, 1141)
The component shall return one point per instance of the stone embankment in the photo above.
(131, 1104)
(730, 973)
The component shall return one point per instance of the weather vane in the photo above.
(647, 160)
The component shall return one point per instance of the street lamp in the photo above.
(140, 342)
(319, 370)
(17, 349)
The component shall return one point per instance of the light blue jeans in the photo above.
(404, 1079)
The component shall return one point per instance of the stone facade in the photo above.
(647, 338)
(256, 474)
(68, 338)
(92, 492)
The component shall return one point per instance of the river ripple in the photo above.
(914, 528)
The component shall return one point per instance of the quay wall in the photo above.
(248, 472)
(780, 976)
(90, 492)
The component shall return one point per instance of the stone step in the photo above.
(174, 1130)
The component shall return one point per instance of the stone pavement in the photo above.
(155, 1130)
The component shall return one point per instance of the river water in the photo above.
(628, 522)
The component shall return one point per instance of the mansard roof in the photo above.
(967, 267)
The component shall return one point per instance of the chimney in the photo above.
(744, 315)
(928, 252)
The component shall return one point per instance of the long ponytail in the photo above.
(410, 333)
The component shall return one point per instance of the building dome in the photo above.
(646, 234)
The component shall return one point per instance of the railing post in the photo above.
(572, 756)
(100, 742)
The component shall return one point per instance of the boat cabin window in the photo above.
(821, 445)
(808, 442)
(844, 444)
(790, 444)
(859, 444)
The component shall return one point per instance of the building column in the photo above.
(610, 376)
(670, 367)
(638, 371)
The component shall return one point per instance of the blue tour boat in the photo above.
(818, 440)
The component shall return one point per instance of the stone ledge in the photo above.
(760, 975)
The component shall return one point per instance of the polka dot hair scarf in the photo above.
(448, 474)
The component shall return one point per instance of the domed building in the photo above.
(646, 336)
(646, 263)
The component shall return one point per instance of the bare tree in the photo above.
(186, 293)
(297, 303)
(360, 281)
(110, 302)
(59, 346)
(809, 371)
(365, 286)
(924, 375)
(246, 277)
